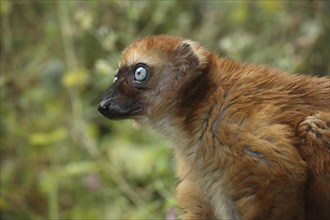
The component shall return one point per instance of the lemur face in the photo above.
(151, 73)
(124, 98)
(139, 82)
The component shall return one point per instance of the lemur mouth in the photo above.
(114, 111)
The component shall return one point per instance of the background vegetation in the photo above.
(60, 159)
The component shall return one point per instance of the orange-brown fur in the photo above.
(251, 142)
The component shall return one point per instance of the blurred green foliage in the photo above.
(60, 159)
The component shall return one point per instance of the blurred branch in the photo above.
(66, 31)
(6, 37)
(80, 135)
(79, 131)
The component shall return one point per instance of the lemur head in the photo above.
(152, 76)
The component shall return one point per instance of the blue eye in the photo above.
(140, 73)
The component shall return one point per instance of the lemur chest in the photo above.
(208, 179)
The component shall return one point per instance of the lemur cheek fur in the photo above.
(251, 142)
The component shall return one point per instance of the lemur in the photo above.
(251, 142)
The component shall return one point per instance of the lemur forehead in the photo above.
(154, 50)
(134, 56)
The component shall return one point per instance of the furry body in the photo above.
(251, 142)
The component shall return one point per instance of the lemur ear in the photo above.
(185, 58)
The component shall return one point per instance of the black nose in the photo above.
(104, 106)
(101, 109)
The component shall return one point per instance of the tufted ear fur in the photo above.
(185, 58)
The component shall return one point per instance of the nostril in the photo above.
(104, 105)
(101, 108)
